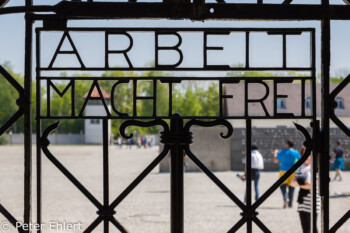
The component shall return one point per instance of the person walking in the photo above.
(338, 165)
(287, 158)
(303, 180)
(257, 162)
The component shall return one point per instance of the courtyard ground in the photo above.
(146, 209)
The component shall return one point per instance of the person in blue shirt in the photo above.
(287, 158)
(338, 164)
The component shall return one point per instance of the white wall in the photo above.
(93, 132)
(55, 139)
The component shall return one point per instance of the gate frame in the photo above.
(198, 10)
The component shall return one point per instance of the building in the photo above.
(292, 103)
(95, 107)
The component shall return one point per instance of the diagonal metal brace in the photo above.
(19, 101)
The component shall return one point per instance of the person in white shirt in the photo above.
(257, 162)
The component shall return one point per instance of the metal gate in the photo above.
(176, 135)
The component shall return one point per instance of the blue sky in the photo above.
(12, 40)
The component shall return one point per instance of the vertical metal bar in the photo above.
(220, 99)
(315, 133)
(247, 34)
(249, 170)
(134, 100)
(324, 163)
(284, 44)
(73, 97)
(156, 49)
(105, 171)
(38, 128)
(177, 183)
(106, 50)
(170, 98)
(48, 98)
(205, 53)
(303, 97)
(274, 98)
(246, 113)
(28, 118)
(154, 98)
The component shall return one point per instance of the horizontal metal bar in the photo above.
(170, 117)
(24, 9)
(211, 68)
(211, 11)
(181, 29)
(144, 97)
(177, 79)
(228, 11)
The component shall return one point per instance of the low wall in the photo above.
(55, 139)
(65, 139)
(224, 155)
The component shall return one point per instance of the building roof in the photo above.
(96, 95)
(235, 106)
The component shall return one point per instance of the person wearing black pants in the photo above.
(303, 180)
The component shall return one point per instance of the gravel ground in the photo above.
(146, 209)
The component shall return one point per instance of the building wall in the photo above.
(235, 106)
(262, 123)
(209, 147)
(93, 132)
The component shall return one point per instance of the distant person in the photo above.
(287, 158)
(138, 142)
(338, 165)
(144, 142)
(303, 180)
(257, 162)
(120, 142)
(130, 142)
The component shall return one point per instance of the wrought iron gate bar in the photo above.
(105, 210)
(9, 217)
(175, 79)
(227, 11)
(177, 137)
(341, 221)
(248, 212)
(19, 101)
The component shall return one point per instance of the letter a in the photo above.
(73, 51)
